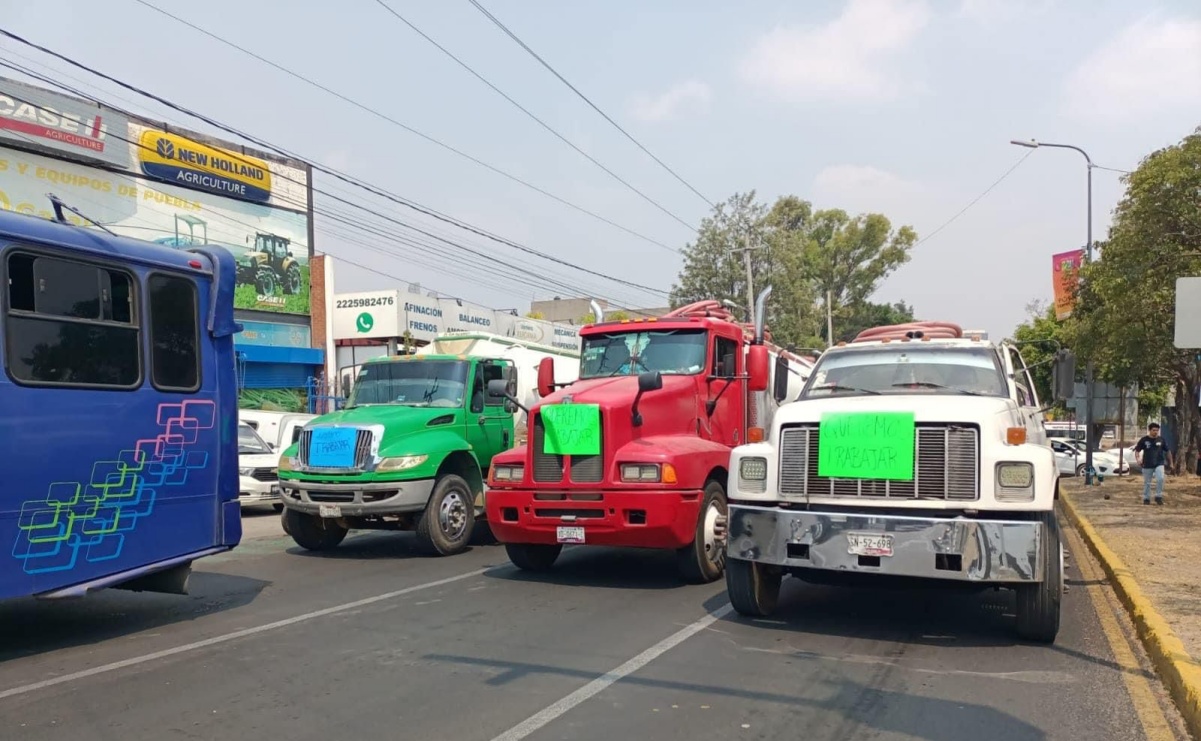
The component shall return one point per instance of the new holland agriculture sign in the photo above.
(179, 160)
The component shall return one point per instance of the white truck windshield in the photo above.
(907, 370)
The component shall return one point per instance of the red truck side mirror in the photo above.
(756, 367)
(546, 377)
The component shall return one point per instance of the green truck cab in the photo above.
(410, 451)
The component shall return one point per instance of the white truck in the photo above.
(915, 451)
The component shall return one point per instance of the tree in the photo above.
(1126, 302)
(800, 252)
(853, 319)
(616, 315)
(1038, 338)
(535, 315)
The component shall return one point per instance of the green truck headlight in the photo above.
(400, 463)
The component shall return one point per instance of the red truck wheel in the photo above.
(705, 559)
(533, 556)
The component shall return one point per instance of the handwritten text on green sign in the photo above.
(571, 429)
(866, 445)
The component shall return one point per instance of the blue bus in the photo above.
(118, 410)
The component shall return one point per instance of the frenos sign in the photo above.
(189, 164)
(422, 318)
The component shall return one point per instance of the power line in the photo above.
(516, 272)
(975, 200)
(321, 168)
(385, 117)
(527, 112)
(585, 98)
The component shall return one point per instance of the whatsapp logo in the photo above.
(364, 323)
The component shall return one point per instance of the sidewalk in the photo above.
(1152, 556)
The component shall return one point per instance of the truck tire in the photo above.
(1038, 604)
(312, 532)
(533, 556)
(446, 526)
(753, 588)
(704, 559)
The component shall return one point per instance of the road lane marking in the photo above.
(1146, 705)
(583, 694)
(216, 640)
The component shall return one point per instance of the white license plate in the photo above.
(570, 534)
(869, 544)
(329, 510)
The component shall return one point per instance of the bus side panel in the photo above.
(100, 482)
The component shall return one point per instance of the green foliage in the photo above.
(275, 400)
(1039, 337)
(616, 315)
(1124, 319)
(801, 253)
(849, 321)
(535, 315)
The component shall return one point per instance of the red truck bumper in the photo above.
(642, 519)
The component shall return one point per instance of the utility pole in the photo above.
(829, 318)
(746, 261)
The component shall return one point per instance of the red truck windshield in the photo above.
(671, 352)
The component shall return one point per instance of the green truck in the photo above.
(409, 452)
(412, 447)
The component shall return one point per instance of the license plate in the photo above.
(869, 544)
(329, 510)
(570, 534)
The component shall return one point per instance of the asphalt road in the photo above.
(373, 641)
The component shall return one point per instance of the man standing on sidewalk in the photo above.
(1151, 452)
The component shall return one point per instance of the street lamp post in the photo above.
(1088, 257)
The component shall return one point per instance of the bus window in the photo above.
(174, 333)
(70, 323)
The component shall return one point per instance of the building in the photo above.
(373, 323)
(574, 310)
(157, 182)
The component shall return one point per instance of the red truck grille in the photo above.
(548, 468)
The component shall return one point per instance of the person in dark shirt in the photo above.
(1151, 452)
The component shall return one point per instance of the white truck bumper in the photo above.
(959, 549)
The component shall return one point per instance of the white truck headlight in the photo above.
(245, 471)
(753, 469)
(1015, 482)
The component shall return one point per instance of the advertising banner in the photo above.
(566, 337)
(41, 118)
(274, 335)
(522, 328)
(460, 316)
(423, 317)
(270, 244)
(191, 163)
(1065, 269)
(368, 315)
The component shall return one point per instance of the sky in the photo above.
(903, 107)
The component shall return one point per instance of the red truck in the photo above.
(636, 452)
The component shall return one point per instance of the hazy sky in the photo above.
(902, 107)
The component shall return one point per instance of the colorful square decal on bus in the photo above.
(89, 520)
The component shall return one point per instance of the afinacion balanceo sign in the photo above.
(189, 164)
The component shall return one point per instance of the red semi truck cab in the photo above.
(636, 452)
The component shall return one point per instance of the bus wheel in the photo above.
(753, 588)
(446, 526)
(704, 560)
(312, 532)
(533, 556)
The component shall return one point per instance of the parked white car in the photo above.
(1070, 457)
(258, 470)
(281, 429)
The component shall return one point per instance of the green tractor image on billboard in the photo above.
(270, 264)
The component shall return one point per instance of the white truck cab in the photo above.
(914, 451)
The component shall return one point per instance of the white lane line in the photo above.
(124, 663)
(583, 694)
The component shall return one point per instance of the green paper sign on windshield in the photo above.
(571, 429)
(866, 445)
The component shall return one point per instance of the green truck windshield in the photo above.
(671, 352)
(423, 383)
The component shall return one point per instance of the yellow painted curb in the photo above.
(1178, 670)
